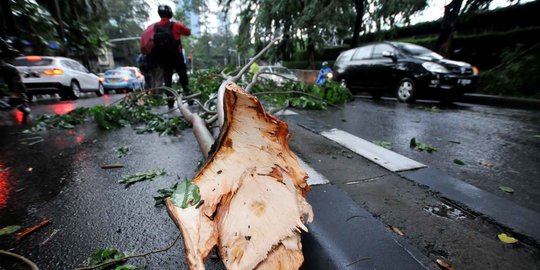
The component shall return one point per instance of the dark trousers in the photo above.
(178, 65)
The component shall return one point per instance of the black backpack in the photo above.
(164, 44)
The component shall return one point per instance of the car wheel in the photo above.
(406, 90)
(100, 90)
(75, 90)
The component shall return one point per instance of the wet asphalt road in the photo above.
(60, 180)
(508, 139)
(88, 209)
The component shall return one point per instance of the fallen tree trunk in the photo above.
(253, 193)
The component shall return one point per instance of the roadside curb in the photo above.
(507, 102)
(345, 236)
(522, 103)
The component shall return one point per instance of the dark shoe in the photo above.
(190, 102)
(170, 103)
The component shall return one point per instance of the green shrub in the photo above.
(516, 78)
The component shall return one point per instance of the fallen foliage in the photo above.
(422, 146)
(129, 180)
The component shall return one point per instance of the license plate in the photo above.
(113, 80)
(464, 81)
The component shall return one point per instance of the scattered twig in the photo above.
(112, 166)
(357, 261)
(38, 141)
(31, 138)
(31, 229)
(130, 256)
(20, 257)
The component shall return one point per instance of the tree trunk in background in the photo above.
(9, 27)
(451, 13)
(359, 6)
(311, 49)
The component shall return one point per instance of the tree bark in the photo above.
(451, 13)
(359, 6)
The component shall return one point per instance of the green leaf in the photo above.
(9, 229)
(115, 258)
(413, 144)
(506, 189)
(122, 151)
(187, 194)
(459, 162)
(385, 144)
(422, 146)
(164, 194)
(505, 238)
(142, 176)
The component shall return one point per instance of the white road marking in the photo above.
(315, 178)
(286, 112)
(380, 155)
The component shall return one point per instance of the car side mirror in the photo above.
(390, 55)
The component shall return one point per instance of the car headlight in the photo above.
(434, 67)
(475, 70)
(329, 75)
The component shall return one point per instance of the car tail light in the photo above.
(54, 71)
(475, 70)
(126, 78)
(101, 79)
(33, 58)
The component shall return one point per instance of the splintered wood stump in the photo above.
(254, 194)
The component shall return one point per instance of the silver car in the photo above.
(283, 74)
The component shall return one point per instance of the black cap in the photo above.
(165, 11)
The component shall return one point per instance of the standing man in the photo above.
(167, 49)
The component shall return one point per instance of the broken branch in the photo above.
(20, 257)
(31, 229)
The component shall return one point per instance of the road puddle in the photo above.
(446, 211)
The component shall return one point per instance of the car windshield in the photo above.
(415, 50)
(281, 70)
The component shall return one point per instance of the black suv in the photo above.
(407, 70)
